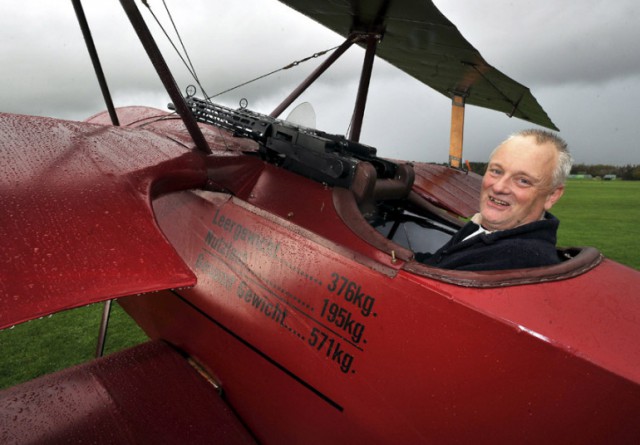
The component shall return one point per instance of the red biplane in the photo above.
(272, 265)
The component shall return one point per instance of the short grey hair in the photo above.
(565, 161)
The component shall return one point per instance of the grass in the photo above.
(602, 214)
(61, 340)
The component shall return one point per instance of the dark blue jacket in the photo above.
(529, 245)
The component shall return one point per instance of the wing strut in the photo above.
(165, 74)
(104, 325)
(95, 60)
(457, 129)
(363, 88)
(372, 40)
(315, 74)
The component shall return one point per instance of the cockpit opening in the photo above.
(387, 214)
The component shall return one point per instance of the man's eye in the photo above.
(523, 181)
(495, 171)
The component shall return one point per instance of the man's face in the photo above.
(517, 187)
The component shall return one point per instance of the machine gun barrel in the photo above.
(241, 122)
(324, 157)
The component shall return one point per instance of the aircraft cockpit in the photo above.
(396, 212)
(389, 205)
(410, 223)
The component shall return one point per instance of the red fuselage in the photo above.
(317, 336)
(318, 328)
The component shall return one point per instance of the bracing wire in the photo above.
(286, 67)
(186, 60)
(188, 65)
(193, 70)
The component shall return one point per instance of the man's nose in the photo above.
(501, 185)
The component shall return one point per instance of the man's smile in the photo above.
(497, 201)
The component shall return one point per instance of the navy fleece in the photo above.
(529, 245)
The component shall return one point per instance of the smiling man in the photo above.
(524, 179)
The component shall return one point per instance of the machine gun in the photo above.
(324, 157)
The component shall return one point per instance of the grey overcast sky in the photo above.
(580, 58)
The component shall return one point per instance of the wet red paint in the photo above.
(77, 225)
(319, 329)
(148, 394)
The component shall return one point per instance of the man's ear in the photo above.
(553, 197)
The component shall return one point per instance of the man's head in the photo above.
(524, 178)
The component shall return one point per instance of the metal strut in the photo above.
(95, 60)
(363, 88)
(314, 75)
(164, 73)
(104, 324)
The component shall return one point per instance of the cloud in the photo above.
(553, 42)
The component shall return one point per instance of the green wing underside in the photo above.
(423, 43)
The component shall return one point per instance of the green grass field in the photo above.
(592, 213)
(601, 214)
(61, 340)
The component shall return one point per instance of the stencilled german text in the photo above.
(334, 326)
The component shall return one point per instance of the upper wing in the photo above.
(76, 222)
(419, 40)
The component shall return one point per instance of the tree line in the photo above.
(627, 172)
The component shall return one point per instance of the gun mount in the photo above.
(324, 157)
